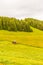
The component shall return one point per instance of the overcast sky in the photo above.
(22, 8)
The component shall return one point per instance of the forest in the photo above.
(13, 24)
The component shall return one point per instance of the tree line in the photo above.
(13, 24)
(35, 23)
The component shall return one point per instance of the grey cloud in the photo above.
(22, 8)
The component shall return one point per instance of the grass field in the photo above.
(27, 51)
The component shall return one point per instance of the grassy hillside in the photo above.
(34, 38)
(27, 51)
(20, 54)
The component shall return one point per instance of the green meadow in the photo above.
(28, 49)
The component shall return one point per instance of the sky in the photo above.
(22, 8)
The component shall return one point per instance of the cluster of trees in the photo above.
(13, 24)
(35, 23)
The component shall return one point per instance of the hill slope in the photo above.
(27, 51)
(34, 38)
(20, 54)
